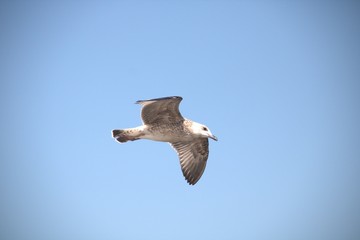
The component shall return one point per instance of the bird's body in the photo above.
(163, 122)
(169, 132)
(165, 132)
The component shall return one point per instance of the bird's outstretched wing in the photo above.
(193, 156)
(161, 110)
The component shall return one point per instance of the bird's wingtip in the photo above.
(159, 99)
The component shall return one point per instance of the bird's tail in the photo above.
(124, 135)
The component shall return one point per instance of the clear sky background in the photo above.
(277, 82)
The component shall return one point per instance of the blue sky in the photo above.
(277, 82)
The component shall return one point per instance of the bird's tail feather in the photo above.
(124, 135)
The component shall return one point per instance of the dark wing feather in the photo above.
(161, 110)
(193, 156)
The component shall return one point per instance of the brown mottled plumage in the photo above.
(163, 122)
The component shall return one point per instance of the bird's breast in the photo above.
(168, 133)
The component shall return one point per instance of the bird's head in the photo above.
(202, 131)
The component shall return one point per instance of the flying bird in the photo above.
(162, 121)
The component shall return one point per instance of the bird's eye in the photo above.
(204, 128)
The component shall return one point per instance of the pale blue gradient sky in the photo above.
(277, 82)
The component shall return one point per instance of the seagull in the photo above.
(162, 121)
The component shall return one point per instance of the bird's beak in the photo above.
(213, 137)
